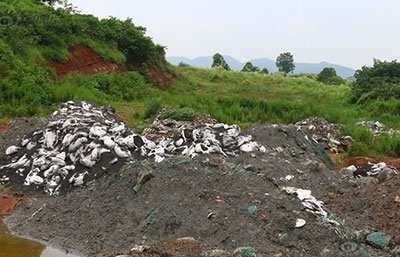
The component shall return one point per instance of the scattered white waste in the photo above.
(310, 203)
(12, 150)
(82, 139)
(300, 223)
(4, 179)
(377, 128)
(140, 248)
(371, 170)
(288, 178)
(352, 168)
(322, 132)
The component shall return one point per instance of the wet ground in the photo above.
(13, 246)
(17, 247)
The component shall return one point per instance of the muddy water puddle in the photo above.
(13, 246)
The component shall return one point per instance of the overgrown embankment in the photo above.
(33, 35)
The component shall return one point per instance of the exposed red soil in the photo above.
(86, 61)
(161, 78)
(363, 160)
(393, 161)
(8, 202)
(360, 161)
(82, 60)
(4, 124)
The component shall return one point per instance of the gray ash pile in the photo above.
(82, 141)
(324, 133)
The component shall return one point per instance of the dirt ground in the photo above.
(222, 203)
(86, 61)
(8, 202)
(375, 207)
(82, 60)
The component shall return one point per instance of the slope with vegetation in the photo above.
(33, 34)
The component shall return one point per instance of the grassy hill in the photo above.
(38, 34)
(32, 34)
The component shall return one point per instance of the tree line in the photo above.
(285, 64)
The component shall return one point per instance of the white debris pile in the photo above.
(210, 138)
(372, 170)
(82, 141)
(324, 133)
(377, 128)
(78, 137)
(164, 128)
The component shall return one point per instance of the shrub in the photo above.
(3, 189)
(328, 76)
(382, 81)
(183, 65)
(152, 109)
(249, 67)
(182, 114)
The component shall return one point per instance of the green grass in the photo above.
(3, 189)
(231, 97)
(181, 114)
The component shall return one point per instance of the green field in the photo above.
(242, 98)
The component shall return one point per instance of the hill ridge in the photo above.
(301, 67)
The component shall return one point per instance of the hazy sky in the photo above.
(346, 32)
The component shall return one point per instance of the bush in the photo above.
(264, 71)
(249, 67)
(183, 65)
(182, 114)
(152, 109)
(335, 80)
(382, 81)
(328, 76)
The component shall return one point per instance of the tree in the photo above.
(219, 61)
(285, 63)
(328, 76)
(264, 71)
(382, 81)
(183, 65)
(326, 73)
(249, 67)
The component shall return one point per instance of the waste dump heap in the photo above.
(83, 141)
(269, 191)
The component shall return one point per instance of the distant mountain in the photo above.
(206, 61)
